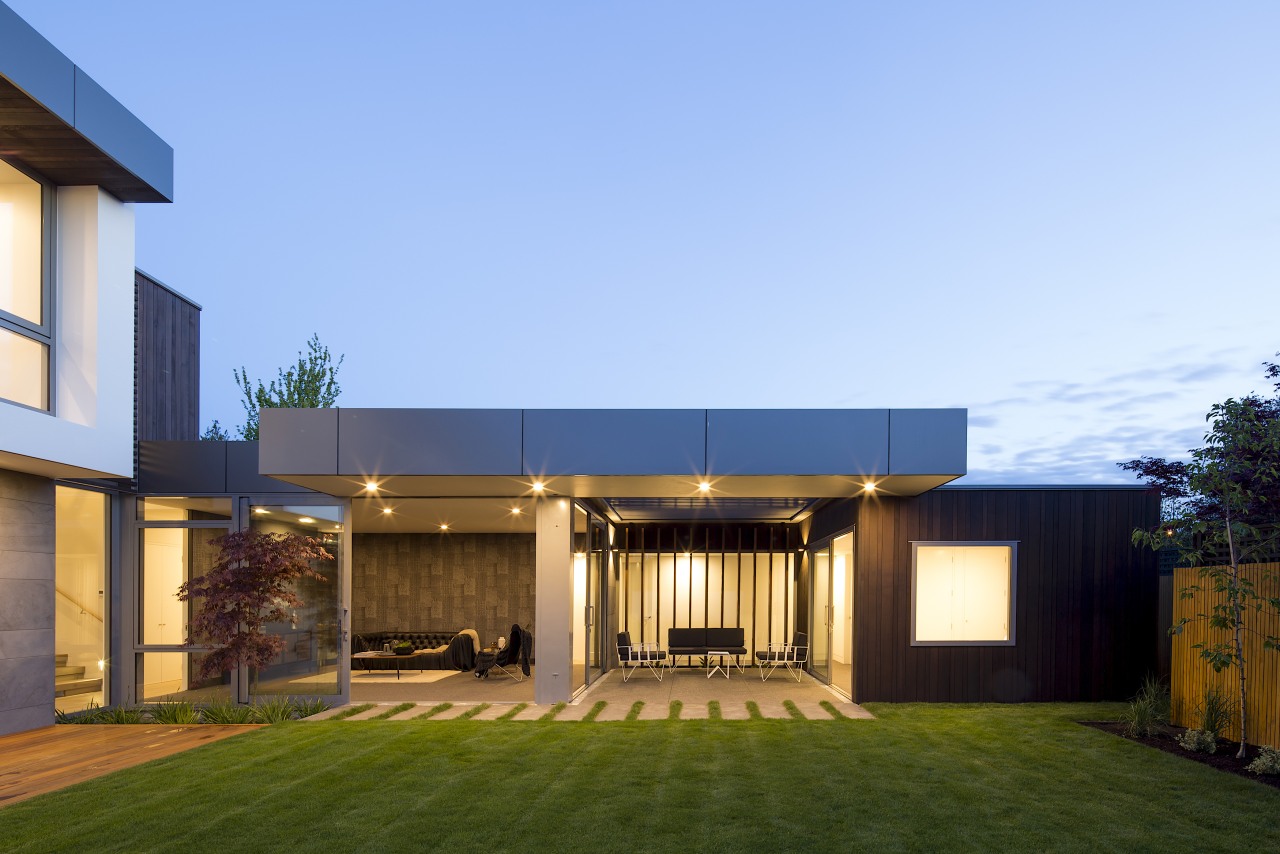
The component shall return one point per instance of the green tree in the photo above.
(311, 383)
(1225, 514)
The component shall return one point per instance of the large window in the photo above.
(963, 593)
(25, 326)
(83, 520)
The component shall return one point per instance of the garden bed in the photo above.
(1167, 740)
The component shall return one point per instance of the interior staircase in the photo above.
(69, 680)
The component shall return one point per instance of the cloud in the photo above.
(983, 421)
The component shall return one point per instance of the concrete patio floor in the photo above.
(690, 686)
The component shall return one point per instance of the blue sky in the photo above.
(1062, 216)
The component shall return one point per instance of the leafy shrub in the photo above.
(120, 715)
(175, 712)
(1149, 709)
(89, 715)
(1199, 741)
(1266, 762)
(227, 712)
(307, 708)
(274, 711)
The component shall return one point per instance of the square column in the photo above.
(26, 601)
(553, 586)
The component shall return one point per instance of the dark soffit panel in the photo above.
(429, 441)
(182, 467)
(614, 442)
(797, 441)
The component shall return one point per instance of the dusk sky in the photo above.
(1062, 216)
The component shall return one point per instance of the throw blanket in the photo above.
(461, 654)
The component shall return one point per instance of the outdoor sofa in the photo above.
(691, 642)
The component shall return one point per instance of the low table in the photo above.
(722, 654)
(365, 657)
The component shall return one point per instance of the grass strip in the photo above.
(634, 714)
(595, 711)
(434, 710)
(353, 710)
(673, 712)
(555, 710)
(753, 711)
(512, 712)
(796, 714)
(471, 713)
(833, 711)
(394, 710)
(713, 711)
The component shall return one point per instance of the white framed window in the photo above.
(26, 328)
(963, 593)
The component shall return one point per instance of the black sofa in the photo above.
(691, 642)
(458, 651)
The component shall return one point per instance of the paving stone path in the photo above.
(612, 711)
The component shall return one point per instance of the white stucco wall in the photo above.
(91, 426)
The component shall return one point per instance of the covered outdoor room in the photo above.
(581, 525)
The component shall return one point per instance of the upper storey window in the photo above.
(26, 329)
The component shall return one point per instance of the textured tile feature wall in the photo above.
(439, 582)
(26, 601)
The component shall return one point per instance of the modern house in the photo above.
(576, 524)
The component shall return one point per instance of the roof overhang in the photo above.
(56, 120)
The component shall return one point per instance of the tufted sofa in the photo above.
(448, 650)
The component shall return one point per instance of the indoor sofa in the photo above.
(445, 650)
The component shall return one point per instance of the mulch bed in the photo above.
(1167, 740)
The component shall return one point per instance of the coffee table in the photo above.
(722, 654)
(366, 659)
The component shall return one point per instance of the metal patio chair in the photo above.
(642, 654)
(792, 656)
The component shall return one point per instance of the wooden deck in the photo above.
(52, 758)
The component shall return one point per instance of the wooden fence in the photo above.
(1191, 675)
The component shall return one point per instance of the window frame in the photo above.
(1012, 545)
(43, 332)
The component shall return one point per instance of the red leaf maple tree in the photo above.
(249, 586)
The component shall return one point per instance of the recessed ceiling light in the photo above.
(515, 511)
(704, 487)
(371, 486)
(444, 526)
(869, 487)
(386, 511)
(337, 527)
(262, 511)
(538, 486)
(306, 520)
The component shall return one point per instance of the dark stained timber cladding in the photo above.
(167, 364)
(1086, 606)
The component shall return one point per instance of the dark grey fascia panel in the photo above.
(614, 442)
(182, 468)
(35, 66)
(120, 134)
(928, 441)
(242, 472)
(797, 441)
(298, 441)
(375, 442)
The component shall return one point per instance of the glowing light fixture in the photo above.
(515, 511)
(306, 520)
(371, 486)
(102, 665)
(386, 511)
(262, 511)
(444, 526)
(869, 487)
(538, 486)
(704, 487)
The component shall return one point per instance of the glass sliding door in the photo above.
(831, 618)
(597, 566)
(81, 554)
(820, 616)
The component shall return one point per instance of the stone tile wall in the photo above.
(26, 601)
(439, 582)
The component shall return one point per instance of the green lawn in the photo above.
(921, 777)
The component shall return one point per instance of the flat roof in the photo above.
(55, 119)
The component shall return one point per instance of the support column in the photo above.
(553, 644)
(26, 601)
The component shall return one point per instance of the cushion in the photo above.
(726, 639)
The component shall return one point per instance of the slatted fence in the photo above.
(1191, 676)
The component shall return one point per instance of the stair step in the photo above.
(63, 688)
(75, 672)
(60, 659)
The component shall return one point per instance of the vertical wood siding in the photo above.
(1192, 676)
(1086, 599)
(166, 364)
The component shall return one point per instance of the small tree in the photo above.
(1224, 506)
(312, 383)
(250, 585)
(215, 433)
